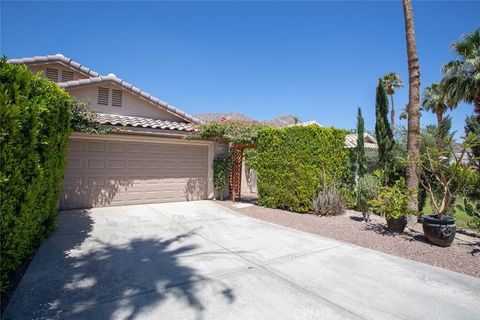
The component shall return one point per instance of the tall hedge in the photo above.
(291, 162)
(35, 119)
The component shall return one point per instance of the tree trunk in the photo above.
(439, 124)
(413, 147)
(392, 115)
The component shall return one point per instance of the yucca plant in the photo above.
(329, 202)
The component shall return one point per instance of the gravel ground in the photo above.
(463, 256)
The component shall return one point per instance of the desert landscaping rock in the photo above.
(463, 256)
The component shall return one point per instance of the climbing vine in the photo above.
(221, 173)
(234, 131)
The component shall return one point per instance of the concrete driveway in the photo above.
(198, 260)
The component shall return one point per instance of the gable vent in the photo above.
(116, 98)
(67, 76)
(52, 74)
(103, 94)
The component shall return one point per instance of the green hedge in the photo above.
(290, 163)
(35, 119)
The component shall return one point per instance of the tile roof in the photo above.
(55, 58)
(136, 91)
(306, 123)
(129, 121)
(351, 141)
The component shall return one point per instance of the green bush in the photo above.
(349, 196)
(393, 201)
(472, 209)
(293, 162)
(35, 119)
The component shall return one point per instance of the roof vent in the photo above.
(103, 96)
(67, 76)
(52, 74)
(116, 98)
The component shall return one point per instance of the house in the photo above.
(148, 159)
(351, 141)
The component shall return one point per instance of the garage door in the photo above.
(108, 173)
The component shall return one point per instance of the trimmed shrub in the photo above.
(35, 119)
(294, 163)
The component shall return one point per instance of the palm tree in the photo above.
(413, 132)
(462, 76)
(392, 81)
(434, 99)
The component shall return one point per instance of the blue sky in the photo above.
(316, 60)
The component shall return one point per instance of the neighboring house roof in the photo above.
(129, 121)
(351, 141)
(307, 123)
(55, 58)
(111, 78)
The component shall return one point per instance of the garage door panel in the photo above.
(95, 146)
(106, 173)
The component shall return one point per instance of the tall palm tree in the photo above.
(392, 81)
(462, 76)
(434, 99)
(413, 132)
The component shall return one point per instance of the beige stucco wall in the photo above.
(132, 105)
(249, 181)
(42, 67)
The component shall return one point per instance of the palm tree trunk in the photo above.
(413, 146)
(392, 115)
(439, 125)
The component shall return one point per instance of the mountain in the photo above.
(218, 116)
(280, 121)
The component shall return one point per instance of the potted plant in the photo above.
(443, 174)
(393, 202)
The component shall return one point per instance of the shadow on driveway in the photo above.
(75, 275)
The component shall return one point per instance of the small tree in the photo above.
(221, 173)
(383, 131)
(444, 179)
(361, 159)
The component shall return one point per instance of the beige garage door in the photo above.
(108, 173)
